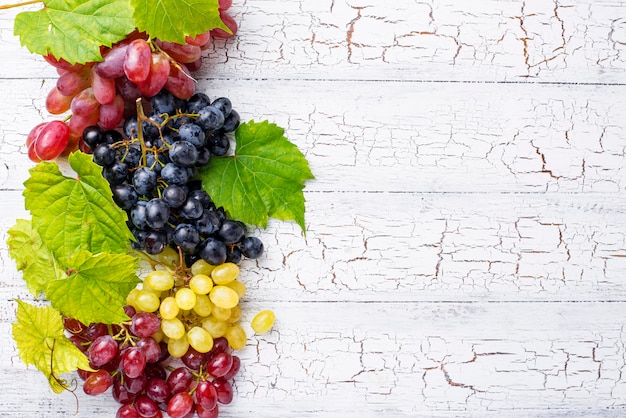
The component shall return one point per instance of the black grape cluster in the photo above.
(152, 171)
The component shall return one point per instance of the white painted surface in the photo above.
(466, 233)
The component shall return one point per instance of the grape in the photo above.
(233, 369)
(157, 212)
(219, 365)
(200, 339)
(124, 196)
(198, 101)
(191, 209)
(206, 395)
(157, 390)
(179, 405)
(133, 361)
(231, 123)
(128, 411)
(146, 301)
(72, 325)
(57, 103)
(211, 118)
(183, 154)
(97, 383)
(263, 321)
(218, 144)
(173, 174)
(169, 308)
(159, 280)
(213, 251)
(221, 314)
(103, 88)
(186, 237)
(163, 102)
(225, 273)
(127, 89)
(193, 358)
(215, 327)
(159, 72)
(138, 213)
(120, 393)
(200, 39)
(224, 105)
(102, 350)
(135, 385)
(238, 287)
(72, 83)
(225, 4)
(146, 407)
(200, 284)
(229, 22)
(137, 61)
(95, 330)
(202, 267)
(173, 328)
(144, 181)
(112, 114)
(179, 82)
(207, 413)
(236, 336)
(208, 223)
(179, 380)
(150, 348)
(252, 247)
(177, 348)
(61, 63)
(193, 134)
(220, 345)
(174, 195)
(104, 155)
(182, 53)
(112, 65)
(185, 299)
(224, 391)
(51, 140)
(84, 103)
(93, 135)
(231, 232)
(144, 324)
(224, 297)
(155, 242)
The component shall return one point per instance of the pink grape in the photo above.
(78, 123)
(200, 39)
(180, 83)
(62, 64)
(102, 350)
(181, 53)
(72, 83)
(180, 405)
(230, 23)
(159, 71)
(52, 140)
(206, 395)
(195, 66)
(72, 325)
(113, 64)
(133, 362)
(225, 4)
(85, 103)
(144, 324)
(112, 114)
(56, 103)
(127, 411)
(103, 88)
(97, 383)
(137, 61)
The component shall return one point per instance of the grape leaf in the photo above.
(173, 20)
(31, 256)
(71, 213)
(75, 29)
(265, 176)
(41, 342)
(95, 287)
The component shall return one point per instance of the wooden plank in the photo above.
(430, 247)
(422, 137)
(401, 360)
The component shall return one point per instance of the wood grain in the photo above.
(465, 247)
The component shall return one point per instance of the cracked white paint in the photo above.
(466, 232)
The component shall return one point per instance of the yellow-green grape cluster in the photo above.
(196, 309)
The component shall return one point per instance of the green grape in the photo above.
(177, 347)
(158, 336)
(149, 289)
(235, 314)
(146, 301)
(160, 280)
(214, 326)
(221, 314)
(236, 336)
(200, 339)
(131, 299)
(201, 284)
(263, 321)
(224, 297)
(203, 306)
(225, 273)
(238, 287)
(185, 298)
(169, 308)
(173, 328)
(168, 256)
(201, 267)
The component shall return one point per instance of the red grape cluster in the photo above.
(144, 379)
(103, 93)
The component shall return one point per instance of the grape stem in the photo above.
(13, 5)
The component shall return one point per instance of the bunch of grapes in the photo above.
(151, 174)
(103, 93)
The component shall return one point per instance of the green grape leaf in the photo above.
(173, 20)
(31, 256)
(41, 342)
(75, 213)
(75, 29)
(95, 287)
(265, 176)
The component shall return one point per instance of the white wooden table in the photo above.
(465, 251)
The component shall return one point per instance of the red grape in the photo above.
(180, 83)
(103, 88)
(206, 395)
(229, 22)
(146, 407)
(113, 64)
(56, 103)
(133, 361)
(97, 383)
(159, 71)
(219, 364)
(157, 390)
(207, 413)
(224, 391)
(150, 348)
(179, 380)
(52, 140)
(180, 405)
(102, 350)
(137, 61)
(144, 324)
(111, 114)
(127, 411)
(233, 369)
(85, 103)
